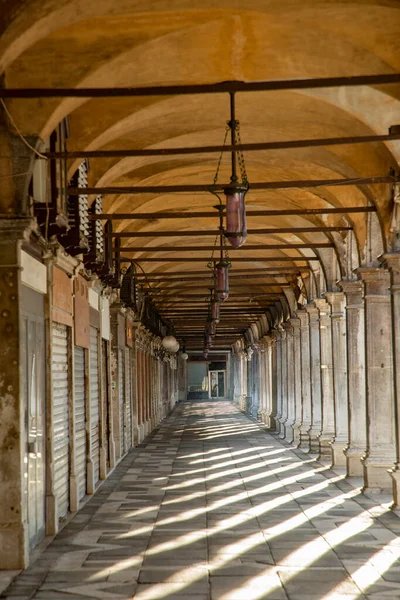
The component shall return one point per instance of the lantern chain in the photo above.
(220, 157)
(240, 156)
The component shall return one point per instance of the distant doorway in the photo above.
(217, 384)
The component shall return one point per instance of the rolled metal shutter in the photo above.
(94, 402)
(80, 419)
(60, 416)
(121, 400)
(128, 399)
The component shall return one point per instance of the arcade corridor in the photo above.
(212, 506)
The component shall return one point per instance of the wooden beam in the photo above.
(202, 88)
(212, 215)
(262, 185)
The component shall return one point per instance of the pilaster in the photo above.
(284, 384)
(272, 381)
(381, 438)
(278, 377)
(327, 383)
(338, 319)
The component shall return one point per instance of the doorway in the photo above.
(217, 384)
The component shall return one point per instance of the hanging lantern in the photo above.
(215, 311)
(208, 340)
(170, 342)
(222, 280)
(184, 355)
(213, 328)
(236, 229)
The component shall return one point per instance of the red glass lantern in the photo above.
(222, 280)
(215, 311)
(236, 229)
(213, 328)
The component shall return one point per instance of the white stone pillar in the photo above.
(356, 376)
(315, 369)
(278, 371)
(284, 386)
(288, 424)
(393, 262)
(327, 384)
(305, 358)
(338, 319)
(262, 385)
(272, 381)
(381, 437)
(296, 324)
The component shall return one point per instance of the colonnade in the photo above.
(329, 376)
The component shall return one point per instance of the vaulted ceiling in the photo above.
(133, 43)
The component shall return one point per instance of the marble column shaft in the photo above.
(327, 382)
(296, 324)
(338, 319)
(315, 368)
(305, 357)
(392, 261)
(284, 384)
(381, 438)
(278, 371)
(288, 424)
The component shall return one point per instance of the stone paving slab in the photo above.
(211, 506)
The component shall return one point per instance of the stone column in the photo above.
(288, 424)
(356, 376)
(295, 322)
(284, 385)
(261, 387)
(315, 370)
(14, 542)
(381, 438)
(328, 409)
(338, 319)
(272, 391)
(392, 261)
(306, 417)
(278, 376)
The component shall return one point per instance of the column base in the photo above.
(90, 487)
(338, 456)
(377, 476)
(112, 454)
(103, 464)
(314, 441)
(354, 465)
(289, 434)
(51, 515)
(281, 426)
(325, 449)
(395, 475)
(304, 438)
(14, 547)
(73, 493)
(271, 421)
(296, 434)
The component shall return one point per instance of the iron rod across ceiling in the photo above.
(201, 233)
(162, 259)
(247, 248)
(202, 88)
(261, 185)
(212, 215)
(251, 147)
(270, 271)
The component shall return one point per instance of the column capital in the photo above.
(14, 229)
(323, 306)
(313, 312)
(392, 262)
(296, 324)
(376, 279)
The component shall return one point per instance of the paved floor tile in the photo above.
(211, 506)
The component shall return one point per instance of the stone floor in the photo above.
(212, 507)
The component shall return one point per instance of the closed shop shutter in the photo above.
(80, 419)
(94, 402)
(128, 399)
(60, 416)
(121, 399)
